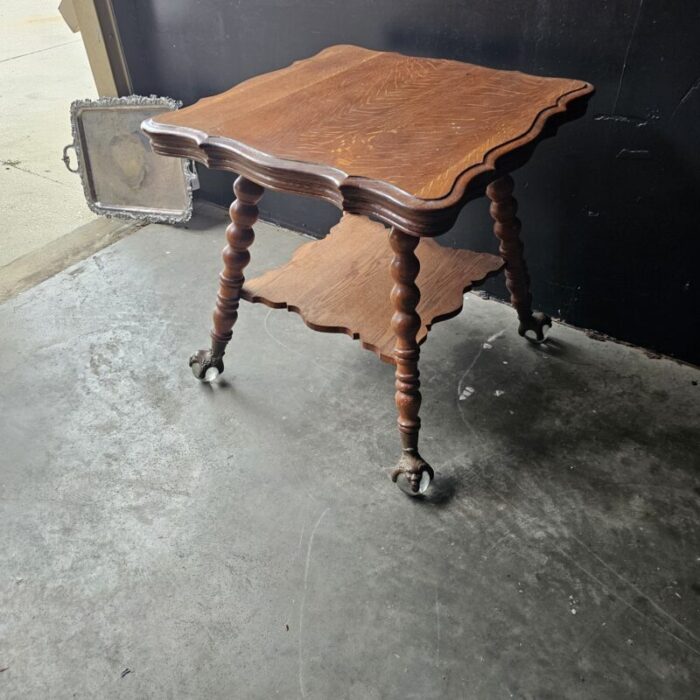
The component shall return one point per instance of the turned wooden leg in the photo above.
(506, 227)
(405, 323)
(208, 364)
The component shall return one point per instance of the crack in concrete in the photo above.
(15, 164)
(303, 602)
(31, 53)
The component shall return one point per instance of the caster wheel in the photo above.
(413, 474)
(536, 328)
(204, 367)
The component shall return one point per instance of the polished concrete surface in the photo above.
(43, 68)
(167, 539)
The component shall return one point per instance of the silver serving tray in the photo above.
(121, 175)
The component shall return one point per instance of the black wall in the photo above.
(609, 206)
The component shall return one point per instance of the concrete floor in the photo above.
(167, 539)
(43, 68)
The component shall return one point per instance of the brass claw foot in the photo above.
(205, 367)
(535, 328)
(417, 472)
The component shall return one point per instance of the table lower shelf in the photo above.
(341, 283)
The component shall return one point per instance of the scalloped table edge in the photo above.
(357, 195)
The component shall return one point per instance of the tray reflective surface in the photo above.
(120, 173)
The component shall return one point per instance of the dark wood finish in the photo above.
(404, 139)
(239, 237)
(405, 323)
(341, 284)
(506, 227)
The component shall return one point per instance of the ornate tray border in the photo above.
(190, 180)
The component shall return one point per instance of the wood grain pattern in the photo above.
(342, 283)
(406, 322)
(239, 237)
(375, 133)
(506, 227)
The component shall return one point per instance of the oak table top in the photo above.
(393, 136)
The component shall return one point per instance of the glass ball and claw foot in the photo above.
(535, 328)
(413, 474)
(205, 367)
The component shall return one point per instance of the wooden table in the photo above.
(406, 141)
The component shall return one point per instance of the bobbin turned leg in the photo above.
(506, 227)
(405, 323)
(208, 364)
